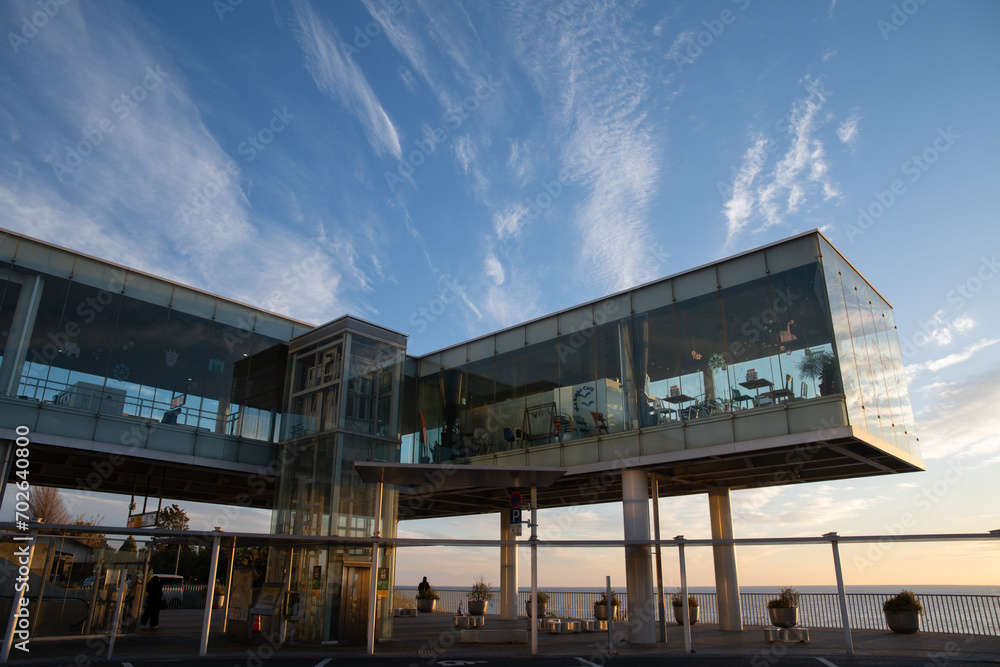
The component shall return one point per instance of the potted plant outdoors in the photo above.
(219, 599)
(902, 613)
(543, 601)
(676, 601)
(601, 607)
(427, 599)
(784, 610)
(480, 596)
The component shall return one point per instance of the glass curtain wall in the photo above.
(870, 359)
(753, 332)
(84, 335)
(343, 405)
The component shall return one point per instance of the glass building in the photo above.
(789, 328)
(778, 365)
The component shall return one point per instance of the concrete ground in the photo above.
(179, 636)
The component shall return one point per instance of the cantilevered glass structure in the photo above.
(780, 365)
(783, 340)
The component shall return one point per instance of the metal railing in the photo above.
(959, 614)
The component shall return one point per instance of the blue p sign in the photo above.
(515, 515)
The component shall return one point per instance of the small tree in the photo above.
(788, 598)
(128, 546)
(45, 504)
(428, 594)
(481, 590)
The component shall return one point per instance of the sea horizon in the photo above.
(926, 589)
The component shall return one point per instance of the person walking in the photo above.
(154, 602)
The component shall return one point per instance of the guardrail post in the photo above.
(848, 640)
(685, 610)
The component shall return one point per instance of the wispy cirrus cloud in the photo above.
(847, 131)
(584, 65)
(337, 75)
(933, 365)
(799, 178)
(153, 189)
(963, 420)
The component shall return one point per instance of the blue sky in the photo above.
(448, 169)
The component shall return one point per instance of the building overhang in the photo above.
(842, 452)
(88, 465)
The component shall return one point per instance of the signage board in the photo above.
(515, 529)
(515, 516)
(515, 499)
(144, 520)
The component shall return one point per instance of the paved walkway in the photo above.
(179, 637)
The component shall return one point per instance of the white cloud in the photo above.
(158, 193)
(588, 74)
(800, 173)
(963, 420)
(847, 132)
(508, 223)
(465, 152)
(934, 365)
(740, 206)
(494, 269)
(339, 77)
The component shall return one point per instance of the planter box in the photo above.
(426, 605)
(601, 611)
(477, 607)
(784, 617)
(540, 609)
(903, 622)
(679, 614)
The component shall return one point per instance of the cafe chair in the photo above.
(740, 398)
(508, 436)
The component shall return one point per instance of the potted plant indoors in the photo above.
(601, 607)
(543, 601)
(784, 609)
(822, 365)
(902, 613)
(479, 597)
(676, 601)
(427, 599)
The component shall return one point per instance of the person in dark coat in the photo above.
(154, 602)
(423, 586)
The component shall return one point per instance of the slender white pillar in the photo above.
(508, 571)
(727, 585)
(206, 620)
(638, 559)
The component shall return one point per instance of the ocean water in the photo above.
(931, 589)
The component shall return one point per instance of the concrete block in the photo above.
(494, 637)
